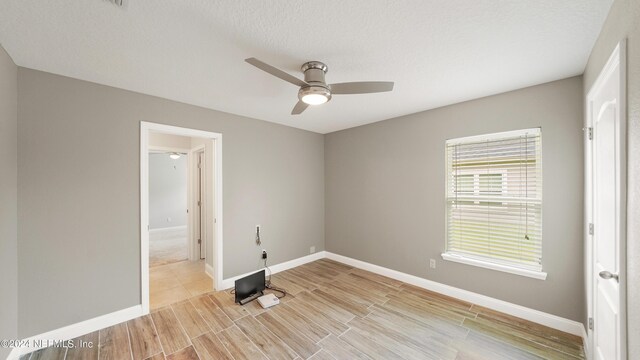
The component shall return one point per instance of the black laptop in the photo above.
(250, 287)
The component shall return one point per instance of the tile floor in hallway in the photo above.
(176, 282)
(332, 311)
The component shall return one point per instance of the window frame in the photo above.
(480, 261)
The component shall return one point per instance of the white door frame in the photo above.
(216, 138)
(617, 58)
(193, 179)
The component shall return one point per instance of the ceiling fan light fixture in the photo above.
(314, 89)
(314, 99)
(314, 95)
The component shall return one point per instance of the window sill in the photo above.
(540, 275)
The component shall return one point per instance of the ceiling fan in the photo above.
(314, 90)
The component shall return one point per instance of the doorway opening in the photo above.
(181, 212)
(168, 210)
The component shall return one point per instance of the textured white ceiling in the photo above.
(438, 52)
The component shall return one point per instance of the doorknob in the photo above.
(607, 275)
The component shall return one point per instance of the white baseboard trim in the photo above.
(208, 269)
(553, 321)
(168, 229)
(78, 329)
(229, 283)
(585, 344)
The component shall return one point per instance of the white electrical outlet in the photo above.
(432, 263)
(312, 250)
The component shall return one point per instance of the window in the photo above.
(494, 201)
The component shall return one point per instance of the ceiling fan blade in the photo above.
(299, 108)
(275, 72)
(361, 87)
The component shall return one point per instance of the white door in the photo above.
(607, 178)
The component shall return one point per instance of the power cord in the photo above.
(270, 286)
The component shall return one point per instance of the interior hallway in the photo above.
(166, 247)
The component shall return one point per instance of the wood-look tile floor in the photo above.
(333, 311)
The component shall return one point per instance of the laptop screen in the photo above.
(250, 285)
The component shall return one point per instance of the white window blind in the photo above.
(494, 198)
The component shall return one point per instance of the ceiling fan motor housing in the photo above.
(314, 76)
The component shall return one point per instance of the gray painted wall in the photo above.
(8, 199)
(167, 191)
(385, 200)
(78, 176)
(622, 22)
(160, 140)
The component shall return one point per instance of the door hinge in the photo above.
(590, 228)
(590, 323)
(199, 203)
(590, 133)
(199, 241)
(215, 220)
